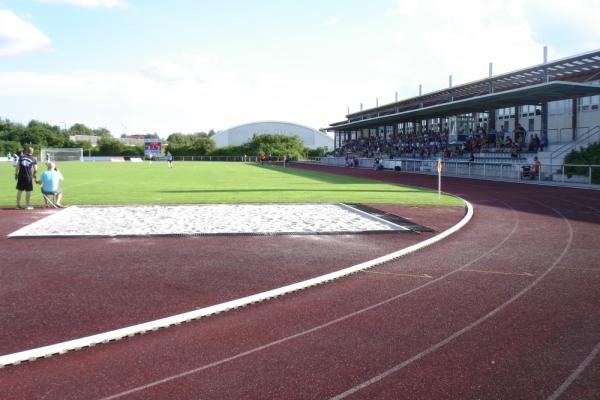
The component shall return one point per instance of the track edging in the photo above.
(133, 330)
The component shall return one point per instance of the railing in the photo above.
(515, 171)
(221, 158)
(253, 159)
(583, 139)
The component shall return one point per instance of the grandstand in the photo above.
(545, 110)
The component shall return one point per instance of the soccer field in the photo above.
(213, 182)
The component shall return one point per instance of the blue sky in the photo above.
(184, 66)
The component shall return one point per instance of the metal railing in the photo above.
(583, 139)
(218, 158)
(515, 171)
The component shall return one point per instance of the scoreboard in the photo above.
(152, 146)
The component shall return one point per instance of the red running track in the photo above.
(512, 312)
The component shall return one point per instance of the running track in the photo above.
(511, 311)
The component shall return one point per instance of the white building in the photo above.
(241, 134)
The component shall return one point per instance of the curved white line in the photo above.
(467, 328)
(89, 341)
(561, 389)
(314, 329)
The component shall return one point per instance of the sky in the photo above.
(154, 66)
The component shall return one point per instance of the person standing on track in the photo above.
(169, 159)
(25, 174)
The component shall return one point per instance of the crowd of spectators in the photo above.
(429, 144)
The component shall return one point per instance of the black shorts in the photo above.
(24, 184)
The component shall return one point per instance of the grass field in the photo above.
(212, 182)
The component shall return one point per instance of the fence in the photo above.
(222, 158)
(517, 171)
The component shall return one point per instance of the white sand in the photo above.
(205, 219)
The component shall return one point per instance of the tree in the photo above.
(110, 147)
(276, 145)
(102, 132)
(80, 129)
(179, 138)
(203, 145)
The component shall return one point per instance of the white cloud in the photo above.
(18, 35)
(186, 94)
(417, 42)
(330, 22)
(164, 71)
(431, 40)
(91, 3)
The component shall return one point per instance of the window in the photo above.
(583, 104)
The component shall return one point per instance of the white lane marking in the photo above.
(316, 328)
(467, 328)
(561, 389)
(88, 341)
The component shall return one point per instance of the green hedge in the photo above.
(586, 156)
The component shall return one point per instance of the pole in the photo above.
(439, 170)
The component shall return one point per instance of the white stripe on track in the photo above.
(561, 389)
(316, 328)
(118, 334)
(467, 328)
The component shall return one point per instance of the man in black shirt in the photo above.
(26, 174)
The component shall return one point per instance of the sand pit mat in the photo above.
(214, 219)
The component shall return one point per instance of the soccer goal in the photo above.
(56, 154)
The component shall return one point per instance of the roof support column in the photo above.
(491, 120)
(573, 119)
(544, 121)
(516, 123)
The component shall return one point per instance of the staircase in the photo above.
(555, 154)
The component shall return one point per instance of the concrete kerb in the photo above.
(118, 334)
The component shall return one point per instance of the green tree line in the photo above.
(201, 143)
(14, 137)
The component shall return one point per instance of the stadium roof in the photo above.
(533, 94)
(579, 68)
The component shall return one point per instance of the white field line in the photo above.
(89, 341)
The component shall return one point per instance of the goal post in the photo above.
(61, 154)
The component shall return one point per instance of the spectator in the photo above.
(544, 141)
(536, 168)
(50, 181)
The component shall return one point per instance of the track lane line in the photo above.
(467, 328)
(319, 327)
(580, 368)
(118, 334)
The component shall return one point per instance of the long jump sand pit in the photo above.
(210, 219)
